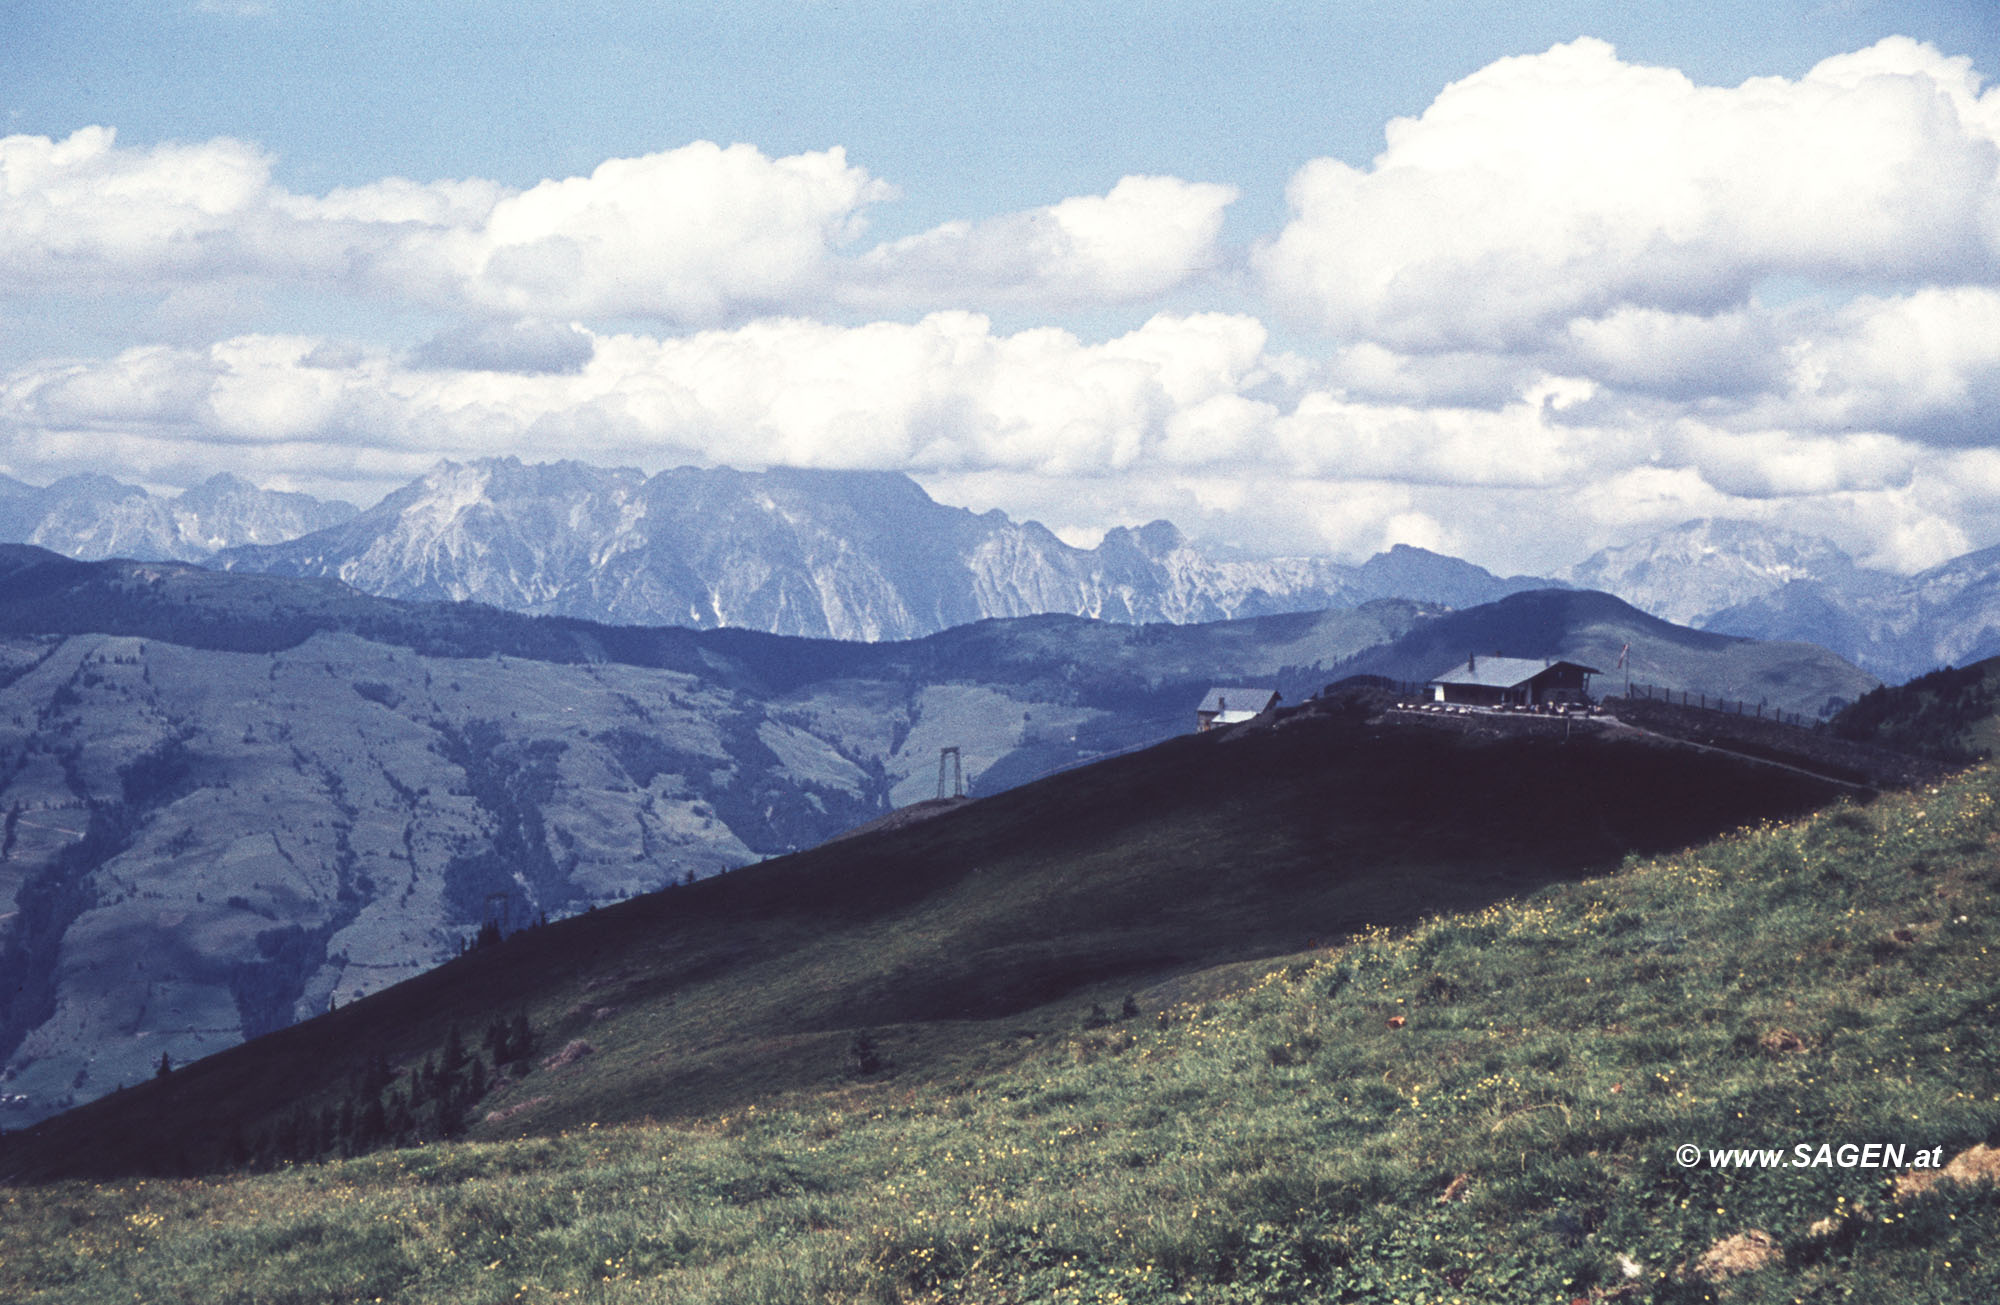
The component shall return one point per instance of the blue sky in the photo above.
(972, 108)
(1624, 265)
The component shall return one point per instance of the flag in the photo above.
(1621, 653)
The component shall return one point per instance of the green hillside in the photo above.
(1483, 1106)
(1952, 714)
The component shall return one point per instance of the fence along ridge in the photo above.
(1655, 693)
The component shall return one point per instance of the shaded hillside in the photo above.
(1947, 715)
(958, 941)
(230, 800)
(1594, 628)
(1819, 748)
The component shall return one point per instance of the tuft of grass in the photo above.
(1482, 1107)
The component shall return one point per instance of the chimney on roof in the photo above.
(1471, 663)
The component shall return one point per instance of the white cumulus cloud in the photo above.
(1570, 184)
(82, 213)
(699, 235)
(1146, 236)
(1926, 364)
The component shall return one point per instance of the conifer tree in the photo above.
(495, 1041)
(376, 1075)
(372, 1129)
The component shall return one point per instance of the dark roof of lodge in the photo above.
(1240, 698)
(1504, 672)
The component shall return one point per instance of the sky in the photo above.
(1510, 281)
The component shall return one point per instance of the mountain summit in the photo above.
(1699, 568)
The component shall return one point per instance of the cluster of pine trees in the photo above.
(388, 1108)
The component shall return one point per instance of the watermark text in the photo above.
(1809, 1155)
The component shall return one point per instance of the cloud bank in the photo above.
(1573, 300)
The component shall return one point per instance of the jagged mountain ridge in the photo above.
(1735, 577)
(1898, 627)
(848, 555)
(95, 517)
(1689, 573)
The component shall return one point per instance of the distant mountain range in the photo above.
(846, 555)
(1732, 577)
(870, 556)
(95, 517)
(231, 798)
(1897, 626)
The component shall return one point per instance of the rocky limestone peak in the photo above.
(1702, 567)
(1154, 540)
(93, 487)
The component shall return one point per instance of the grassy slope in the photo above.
(1539, 1060)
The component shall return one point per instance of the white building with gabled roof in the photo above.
(1227, 705)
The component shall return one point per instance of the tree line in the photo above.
(385, 1107)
